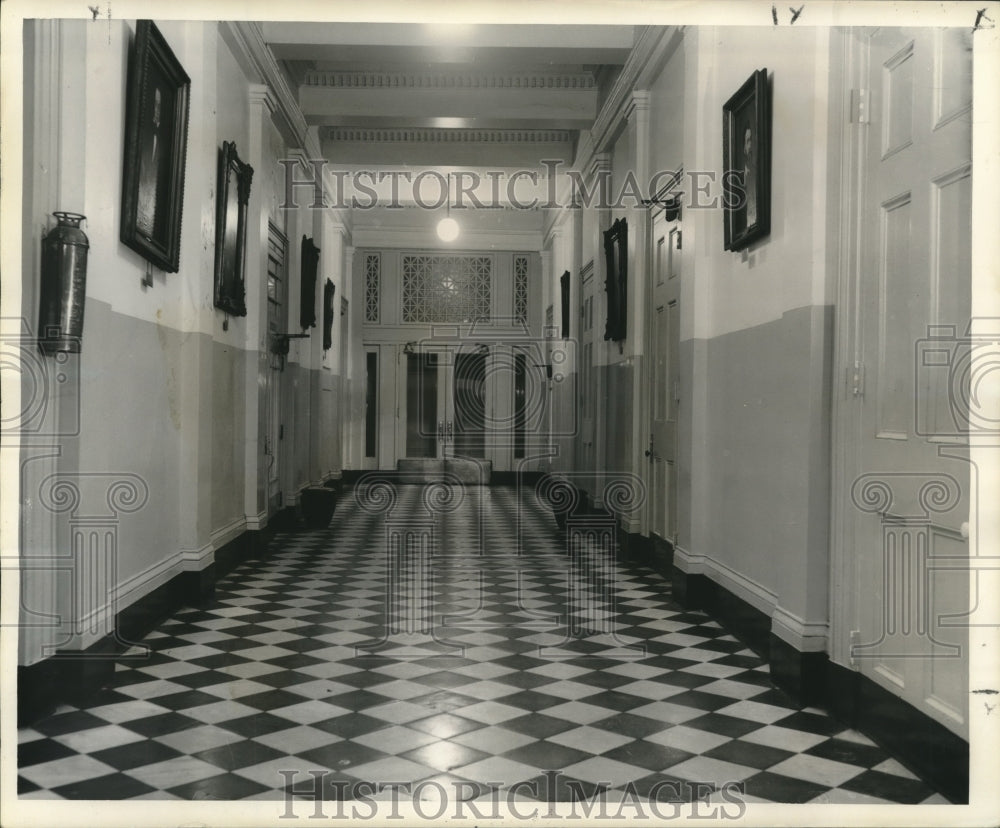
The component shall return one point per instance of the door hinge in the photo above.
(857, 379)
(281, 431)
(680, 234)
(860, 106)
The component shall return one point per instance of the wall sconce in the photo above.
(279, 342)
(671, 205)
(409, 348)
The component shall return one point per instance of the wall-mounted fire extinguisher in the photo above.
(64, 286)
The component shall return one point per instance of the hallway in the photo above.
(499, 665)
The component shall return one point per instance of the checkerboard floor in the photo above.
(456, 639)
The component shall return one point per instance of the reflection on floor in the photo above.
(485, 653)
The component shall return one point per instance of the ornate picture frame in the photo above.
(232, 198)
(616, 283)
(309, 261)
(329, 290)
(746, 154)
(156, 123)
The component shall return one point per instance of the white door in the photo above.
(586, 452)
(909, 485)
(664, 327)
(277, 291)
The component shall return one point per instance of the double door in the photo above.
(448, 402)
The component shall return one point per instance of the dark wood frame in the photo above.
(329, 291)
(747, 206)
(616, 283)
(156, 122)
(309, 261)
(564, 303)
(231, 242)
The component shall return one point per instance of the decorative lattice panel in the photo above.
(447, 288)
(521, 288)
(373, 277)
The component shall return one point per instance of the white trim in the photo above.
(575, 81)
(231, 531)
(143, 583)
(506, 241)
(195, 560)
(123, 596)
(804, 636)
(755, 594)
(256, 522)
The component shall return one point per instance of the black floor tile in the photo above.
(341, 755)
(136, 754)
(71, 722)
(538, 725)
(547, 755)
(259, 724)
(41, 750)
(240, 754)
(112, 786)
(223, 787)
(724, 725)
(350, 725)
(777, 788)
(889, 786)
(842, 750)
(162, 724)
(649, 755)
(749, 754)
(630, 724)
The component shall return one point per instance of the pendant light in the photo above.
(447, 228)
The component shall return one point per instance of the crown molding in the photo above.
(247, 42)
(652, 49)
(408, 135)
(570, 81)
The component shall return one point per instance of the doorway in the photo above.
(446, 403)
(664, 373)
(277, 291)
(902, 484)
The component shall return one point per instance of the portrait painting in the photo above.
(155, 147)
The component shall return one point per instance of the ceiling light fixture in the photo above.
(447, 228)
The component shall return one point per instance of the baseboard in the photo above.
(747, 623)
(923, 745)
(800, 674)
(72, 676)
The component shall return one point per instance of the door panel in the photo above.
(422, 405)
(663, 381)
(277, 291)
(586, 452)
(468, 404)
(911, 488)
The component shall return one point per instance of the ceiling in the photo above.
(397, 93)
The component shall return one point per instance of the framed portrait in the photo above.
(156, 123)
(564, 303)
(329, 289)
(307, 295)
(746, 154)
(232, 197)
(616, 283)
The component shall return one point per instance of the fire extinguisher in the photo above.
(64, 285)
